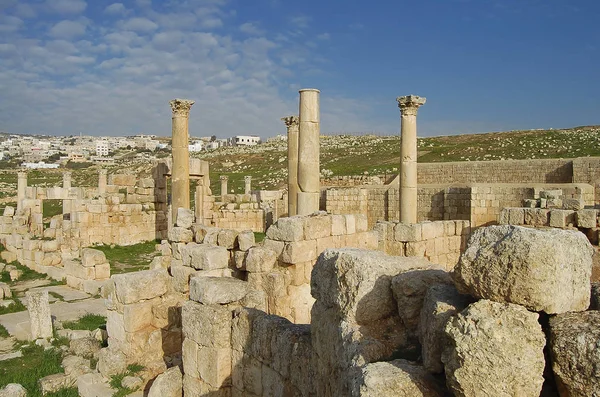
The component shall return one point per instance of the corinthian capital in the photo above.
(409, 104)
(181, 107)
(291, 121)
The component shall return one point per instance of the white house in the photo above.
(102, 148)
(196, 146)
(246, 140)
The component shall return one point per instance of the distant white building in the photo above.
(41, 164)
(102, 148)
(197, 146)
(246, 140)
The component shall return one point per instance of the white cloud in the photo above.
(252, 29)
(10, 23)
(67, 29)
(324, 36)
(139, 25)
(24, 11)
(143, 3)
(300, 21)
(66, 6)
(115, 9)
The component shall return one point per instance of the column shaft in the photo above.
(180, 172)
(21, 188)
(102, 182)
(308, 152)
(292, 140)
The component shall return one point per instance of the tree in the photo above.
(213, 138)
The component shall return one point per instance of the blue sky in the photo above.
(110, 68)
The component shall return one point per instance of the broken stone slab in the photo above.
(54, 383)
(220, 290)
(167, 384)
(574, 340)
(40, 318)
(185, 218)
(441, 302)
(91, 257)
(94, 385)
(409, 290)
(397, 378)
(146, 284)
(494, 349)
(521, 265)
(208, 257)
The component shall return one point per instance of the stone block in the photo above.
(40, 318)
(180, 235)
(287, 229)
(520, 265)
(91, 257)
(246, 240)
(537, 217)
(185, 218)
(260, 259)
(350, 224)
(574, 204)
(167, 384)
(338, 225)
(147, 284)
(503, 341)
(431, 230)
(214, 366)
(217, 290)
(181, 278)
(587, 218)
(102, 271)
(407, 232)
(137, 316)
(227, 238)
(207, 325)
(209, 257)
(362, 223)
(562, 218)
(317, 226)
(299, 251)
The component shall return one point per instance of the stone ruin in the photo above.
(340, 304)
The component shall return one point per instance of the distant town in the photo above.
(37, 152)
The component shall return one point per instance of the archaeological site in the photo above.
(458, 279)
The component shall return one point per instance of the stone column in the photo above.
(180, 170)
(409, 106)
(224, 179)
(308, 152)
(292, 124)
(199, 196)
(21, 188)
(66, 180)
(40, 319)
(247, 184)
(102, 182)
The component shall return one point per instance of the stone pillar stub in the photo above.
(409, 106)
(40, 318)
(224, 179)
(180, 173)
(66, 180)
(102, 181)
(247, 184)
(308, 151)
(292, 123)
(21, 188)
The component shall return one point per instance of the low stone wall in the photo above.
(539, 217)
(240, 219)
(440, 242)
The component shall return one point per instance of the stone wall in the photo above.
(240, 219)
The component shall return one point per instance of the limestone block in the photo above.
(92, 287)
(246, 240)
(551, 194)
(299, 251)
(562, 218)
(185, 218)
(84, 347)
(209, 257)
(431, 230)
(338, 225)
(516, 216)
(52, 383)
(255, 299)
(362, 223)
(574, 204)
(137, 316)
(574, 340)
(317, 226)
(287, 229)
(9, 211)
(407, 232)
(587, 218)
(93, 385)
(91, 257)
(214, 366)
(239, 259)
(260, 260)
(74, 282)
(147, 284)
(397, 378)
(520, 265)
(181, 278)
(132, 383)
(168, 384)
(494, 349)
(409, 289)
(537, 217)
(417, 248)
(221, 290)
(40, 318)
(13, 390)
(180, 234)
(207, 325)
(227, 238)
(273, 245)
(102, 271)
(441, 302)
(49, 245)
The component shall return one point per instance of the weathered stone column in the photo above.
(308, 152)
(292, 124)
(40, 318)
(21, 188)
(180, 171)
(199, 202)
(102, 182)
(409, 105)
(224, 179)
(66, 180)
(247, 184)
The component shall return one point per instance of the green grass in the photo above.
(56, 295)
(52, 208)
(14, 307)
(3, 332)
(88, 322)
(259, 236)
(5, 277)
(28, 274)
(130, 258)
(115, 380)
(35, 364)
(67, 392)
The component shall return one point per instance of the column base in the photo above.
(308, 203)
